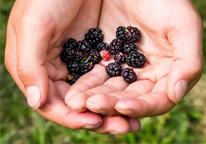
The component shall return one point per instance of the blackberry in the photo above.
(119, 58)
(121, 33)
(105, 54)
(70, 43)
(136, 59)
(129, 75)
(78, 56)
(128, 47)
(84, 46)
(94, 36)
(72, 78)
(73, 67)
(101, 46)
(132, 34)
(86, 67)
(115, 46)
(67, 55)
(94, 56)
(114, 69)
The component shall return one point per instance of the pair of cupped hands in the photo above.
(171, 40)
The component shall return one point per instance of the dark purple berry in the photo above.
(128, 47)
(129, 75)
(84, 46)
(136, 59)
(72, 78)
(94, 56)
(86, 67)
(101, 46)
(94, 36)
(67, 55)
(115, 46)
(132, 34)
(114, 69)
(73, 67)
(121, 33)
(78, 56)
(70, 43)
(119, 58)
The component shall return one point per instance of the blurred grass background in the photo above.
(186, 123)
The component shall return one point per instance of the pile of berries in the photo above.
(81, 56)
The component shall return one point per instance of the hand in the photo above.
(36, 31)
(172, 43)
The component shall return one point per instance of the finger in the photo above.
(148, 104)
(111, 85)
(56, 111)
(188, 57)
(105, 103)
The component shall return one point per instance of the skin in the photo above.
(171, 41)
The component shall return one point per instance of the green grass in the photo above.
(186, 123)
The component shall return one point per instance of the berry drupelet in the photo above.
(129, 75)
(84, 46)
(70, 43)
(119, 58)
(115, 46)
(94, 36)
(72, 78)
(128, 47)
(94, 56)
(101, 46)
(136, 59)
(114, 69)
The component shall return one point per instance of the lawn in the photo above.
(186, 123)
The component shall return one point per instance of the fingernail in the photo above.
(91, 126)
(179, 91)
(33, 97)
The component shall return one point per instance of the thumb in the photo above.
(32, 43)
(188, 60)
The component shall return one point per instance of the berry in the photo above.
(128, 47)
(67, 55)
(129, 75)
(101, 46)
(114, 69)
(86, 67)
(94, 56)
(73, 67)
(120, 33)
(115, 46)
(132, 34)
(136, 59)
(70, 43)
(94, 36)
(84, 46)
(105, 54)
(119, 58)
(72, 78)
(78, 56)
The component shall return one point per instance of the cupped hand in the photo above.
(171, 40)
(36, 31)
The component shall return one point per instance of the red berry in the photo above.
(105, 54)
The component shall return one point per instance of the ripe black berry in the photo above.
(67, 55)
(72, 78)
(119, 58)
(101, 46)
(86, 67)
(73, 67)
(129, 75)
(114, 69)
(78, 56)
(132, 34)
(84, 46)
(94, 56)
(70, 43)
(115, 46)
(136, 59)
(94, 36)
(129, 46)
(121, 33)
